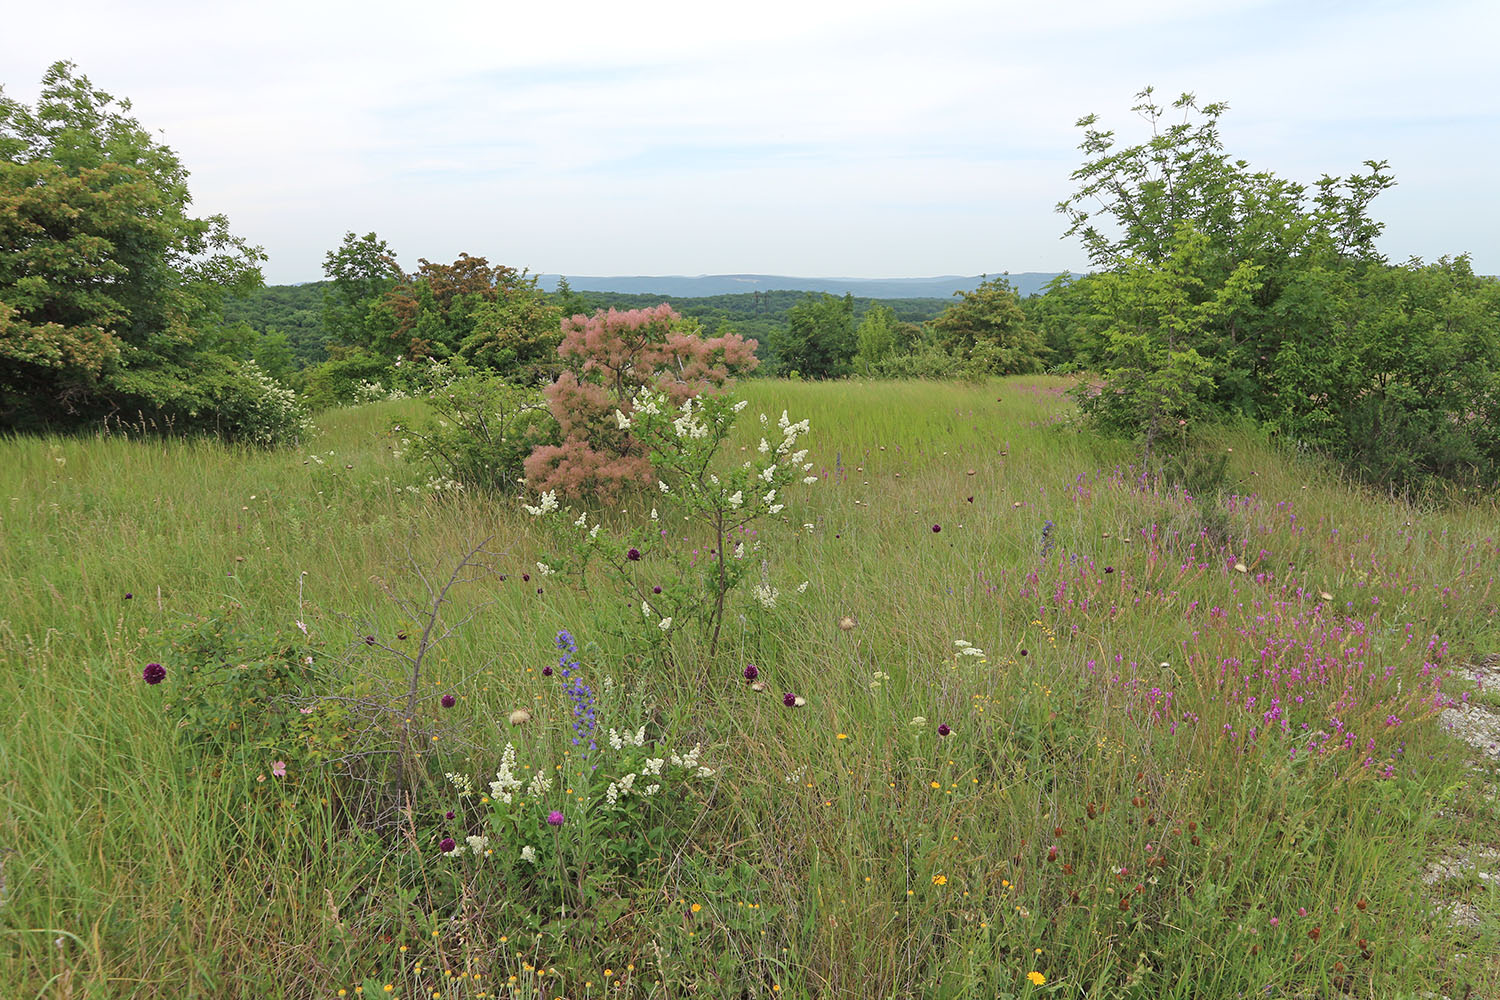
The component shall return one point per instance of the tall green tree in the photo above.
(819, 340)
(109, 288)
(876, 337)
(360, 271)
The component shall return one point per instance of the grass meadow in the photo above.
(1194, 748)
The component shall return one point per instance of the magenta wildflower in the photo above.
(633, 554)
(789, 699)
(447, 845)
(936, 528)
(449, 701)
(448, 814)
(154, 673)
(751, 672)
(554, 818)
(547, 671)
(129, 596)
(943, 730)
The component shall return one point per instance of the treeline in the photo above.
(281, 326)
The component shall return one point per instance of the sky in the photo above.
(809, 138)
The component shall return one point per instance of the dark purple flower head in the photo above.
(1023, 652)
(369, 640)
(525, 577)
(449, 701)
(447, 845)
(751, 672)
(1109, 569)
(970, 499)
(936, 528)
(656, 590)
(633, 554)
(943, 730)
(789, 699)
(448, 814)
(554, 818)
(547, 670)
(129, 596)
(154, 673)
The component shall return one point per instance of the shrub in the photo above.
(611, 356)
(481, 433)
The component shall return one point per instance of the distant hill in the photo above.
(679, 286)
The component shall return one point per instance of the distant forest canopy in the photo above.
(292, 315)
(679, 286)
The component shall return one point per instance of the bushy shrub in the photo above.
(610, 356)
(926, 361)
(481, 432)
(235, 400)
(337, 382)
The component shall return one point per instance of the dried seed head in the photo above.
(520, 717)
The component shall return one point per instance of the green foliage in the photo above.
(294, 311)
(517, 335)
(819, 341)
(107, 286)
(1156, 385)
(233, 689)
(360, 272)
(1231, 291)
(876, 337)
(1069, 320)
(481, 431)
(337, 381)
(1394, 371)
(988, 328)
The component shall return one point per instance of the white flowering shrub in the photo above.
(674, 584)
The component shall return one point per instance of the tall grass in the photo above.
(1241, 778)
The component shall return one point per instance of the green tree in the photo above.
(108, 287)
(1157, 386)
(1131, 203)
(819, 341)
(988, 328)
(876, 337)
(360, 272)
(516, 336)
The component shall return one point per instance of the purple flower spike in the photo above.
(554, 818)
(447, 845)
(449, 701)
(751, 672)
(154, 673)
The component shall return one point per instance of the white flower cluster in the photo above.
(461, 782)
(766, 595)
(528, 854)
(548, 505)
(620, 741)
(476, 843)
(444, 484)
(505, 781)
(541, 784)
(966, 648)
(689, 423)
